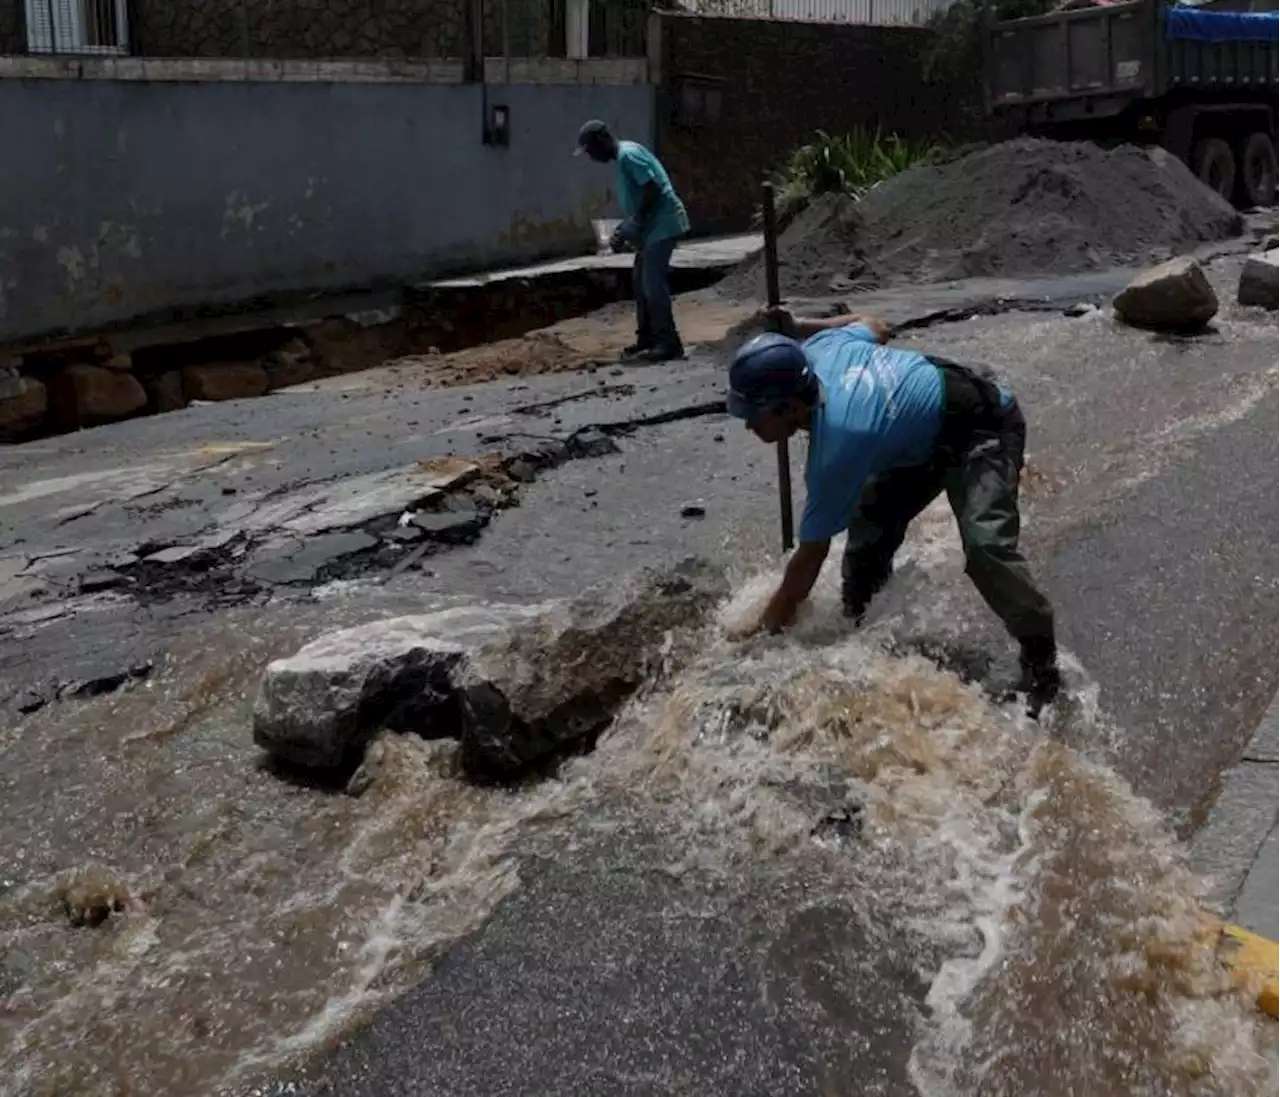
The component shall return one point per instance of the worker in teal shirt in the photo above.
(889, 429)
(654, 218)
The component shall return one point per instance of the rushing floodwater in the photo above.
(263, 918)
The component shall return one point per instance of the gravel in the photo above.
(1022, 207)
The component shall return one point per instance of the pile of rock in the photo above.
(513, 684)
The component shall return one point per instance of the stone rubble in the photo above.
(214, 381)
(83, 395)
(514, 684)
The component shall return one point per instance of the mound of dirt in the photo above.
(1020, 208)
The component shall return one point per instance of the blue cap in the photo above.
(767, 372)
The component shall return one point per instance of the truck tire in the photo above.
(1258, 170)
(1215, 166)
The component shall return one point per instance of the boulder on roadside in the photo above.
(1260, 281)
(23, 403)
(224, 381)
(82, 395)
(514, 684)
(1174, 295)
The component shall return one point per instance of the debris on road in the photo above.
(514, 683)
(1172, 296)
(1260, 281)
(92, 895)
(1022, 207)
(693, 510)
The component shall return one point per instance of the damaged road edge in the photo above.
(513, 684)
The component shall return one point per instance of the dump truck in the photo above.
(1200, 80)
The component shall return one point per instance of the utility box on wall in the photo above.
(498, 131)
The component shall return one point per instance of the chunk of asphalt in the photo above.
(450, 525)
(294, 563)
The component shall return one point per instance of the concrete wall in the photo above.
(737, 96)
(125, 197)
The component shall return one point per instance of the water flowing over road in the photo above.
(828, 862)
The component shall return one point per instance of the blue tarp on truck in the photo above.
(1193, 25)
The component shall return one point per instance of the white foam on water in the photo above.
(1060, 917)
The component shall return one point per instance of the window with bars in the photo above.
(77, 26)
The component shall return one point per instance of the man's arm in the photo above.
(797, 581)
(781, 320)
(802, 327)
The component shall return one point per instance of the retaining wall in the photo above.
(140, 187)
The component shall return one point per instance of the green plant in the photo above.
(850, 164)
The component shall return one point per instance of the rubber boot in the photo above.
(1041, 680)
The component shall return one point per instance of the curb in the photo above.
(1253, 962)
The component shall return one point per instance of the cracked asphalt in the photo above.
(1151, 514)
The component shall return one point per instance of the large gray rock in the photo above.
(1260, 281)
(320, 707)
(514, 684)
(1174, 295)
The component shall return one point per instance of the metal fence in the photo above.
(76, 26)
(872, 13)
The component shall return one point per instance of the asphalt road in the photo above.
(1151, 516)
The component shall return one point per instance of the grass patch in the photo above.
(850, 164)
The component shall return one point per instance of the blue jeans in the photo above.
(655, 324)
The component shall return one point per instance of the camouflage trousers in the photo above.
(978, 462)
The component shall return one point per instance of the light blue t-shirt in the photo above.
(636, 167)
(881, 408)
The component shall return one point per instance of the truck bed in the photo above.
(1096, 61)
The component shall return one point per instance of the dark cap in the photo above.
(767, 372)
(593, 132)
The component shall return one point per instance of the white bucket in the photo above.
(604, 232)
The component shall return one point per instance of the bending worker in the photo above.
(655, 219)
(889, 429)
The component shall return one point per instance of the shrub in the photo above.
(851, 164)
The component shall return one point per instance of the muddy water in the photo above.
(261, 917)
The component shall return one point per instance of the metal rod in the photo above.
(774, 298)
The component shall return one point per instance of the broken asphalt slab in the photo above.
(514, 684)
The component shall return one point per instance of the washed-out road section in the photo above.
(1150, 509)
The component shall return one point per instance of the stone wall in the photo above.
(737, 96)
(297, 28)
(333, 28)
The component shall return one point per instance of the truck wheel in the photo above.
(1214, 165)
(1258, 170)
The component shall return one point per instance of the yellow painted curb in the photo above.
(1254, 961)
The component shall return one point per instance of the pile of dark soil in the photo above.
(1021, 208)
